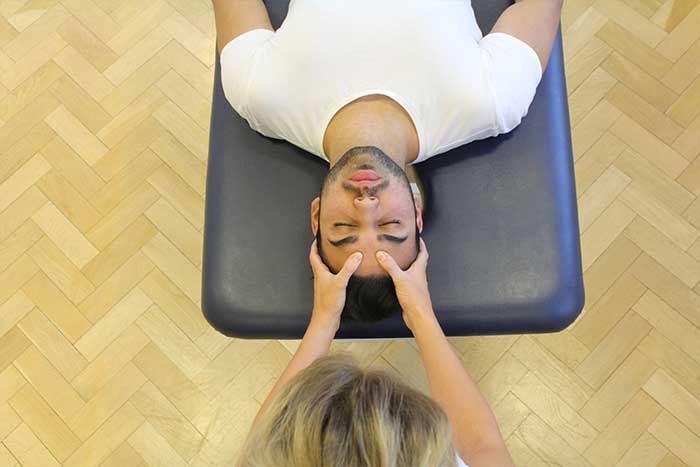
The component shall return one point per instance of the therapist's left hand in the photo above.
(329, 289)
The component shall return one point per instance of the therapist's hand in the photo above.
(329, 289)
(411, 287)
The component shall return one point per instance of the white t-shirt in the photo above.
(427, 55)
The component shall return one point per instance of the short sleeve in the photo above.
(513, 71)
(237, 66)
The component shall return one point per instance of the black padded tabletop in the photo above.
(501, 224)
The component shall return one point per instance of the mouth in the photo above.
(366, 183)
(361, 176)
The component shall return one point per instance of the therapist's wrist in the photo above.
(426, 325)
(323, 326)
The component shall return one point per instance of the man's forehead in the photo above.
(403, 254)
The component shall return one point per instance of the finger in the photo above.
(349, 268)
(422, 258)
(388, 264)
(317, 265)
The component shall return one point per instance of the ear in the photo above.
(419, 213)
(315, 214)
(418, 199)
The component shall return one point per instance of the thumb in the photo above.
(388, 264)
(349, 268)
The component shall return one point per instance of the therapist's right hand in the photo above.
(411, 287)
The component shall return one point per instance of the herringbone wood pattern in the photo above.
(105, 358)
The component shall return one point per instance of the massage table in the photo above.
(501, 224)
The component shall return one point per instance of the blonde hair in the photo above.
(334, 413)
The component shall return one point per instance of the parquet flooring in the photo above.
(105, 358)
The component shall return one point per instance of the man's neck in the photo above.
(372, 121)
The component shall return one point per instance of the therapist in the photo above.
(327, 411)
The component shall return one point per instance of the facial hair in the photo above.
(377, 158)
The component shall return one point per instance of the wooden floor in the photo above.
(105, 358)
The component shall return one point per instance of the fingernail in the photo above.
(357, 257)
(381, 255)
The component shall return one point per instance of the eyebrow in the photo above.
(353, 239)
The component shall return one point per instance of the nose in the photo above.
(366, 201)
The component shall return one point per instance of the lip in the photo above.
(366, 183)
(364, 176)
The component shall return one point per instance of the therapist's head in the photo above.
(366, 204)
(335, 412)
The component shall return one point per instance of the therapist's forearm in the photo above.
(315, 344)
(455, 391)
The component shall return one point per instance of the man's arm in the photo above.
(234, 17)
(534, 22)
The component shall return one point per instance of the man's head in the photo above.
(366, 205)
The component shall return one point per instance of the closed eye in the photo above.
(342, 224)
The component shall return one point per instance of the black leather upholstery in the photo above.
(500, 224)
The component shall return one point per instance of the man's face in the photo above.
(367, 206)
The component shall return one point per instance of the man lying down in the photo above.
(371, 86)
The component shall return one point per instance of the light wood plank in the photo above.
(107, 401)
(677, 438)
(76, 135)
(120, 317)
(49, 383)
